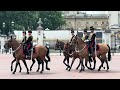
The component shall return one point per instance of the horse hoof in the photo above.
(98, 70)
(76, 68)
(80, 71)
(37, 71)
(20, 71)
(13, 73)
(41, 71)
(48, 68)
(27, 72)
(103, 67)
(67, 68)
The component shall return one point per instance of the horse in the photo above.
(67, 52)
(39, 52)
(33, 61)
(101, 51)
(59, 45)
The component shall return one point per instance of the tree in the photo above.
(21, 19)
(51, 19)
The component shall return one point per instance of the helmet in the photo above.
(24, 32)
(72, 31)
(91, 28)
(29, 31)
(85, 30)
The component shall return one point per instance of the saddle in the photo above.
(93, 48)
(30, 51)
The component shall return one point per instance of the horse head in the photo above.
(70, 48)
(10, 43)
(76, 40)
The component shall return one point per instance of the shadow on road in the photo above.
(37, 73)
(96, 71)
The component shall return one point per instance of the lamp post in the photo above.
(12, 26)
(3, 31)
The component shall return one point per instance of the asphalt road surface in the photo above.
(58, 69)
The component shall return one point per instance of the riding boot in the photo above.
(90, 55)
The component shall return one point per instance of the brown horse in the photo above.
(100, 52)
(33, 61)
(40, 53)
(67, 52)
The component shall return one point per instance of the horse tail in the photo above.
(109, 53)
(47, 55)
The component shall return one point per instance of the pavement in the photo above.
(58, 69)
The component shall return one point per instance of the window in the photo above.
(69, 22)
(103, 22)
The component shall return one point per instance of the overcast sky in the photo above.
(96, 12)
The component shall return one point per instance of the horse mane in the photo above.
(80, 39)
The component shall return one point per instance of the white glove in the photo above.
(86, 40)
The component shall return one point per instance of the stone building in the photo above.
(82, 20)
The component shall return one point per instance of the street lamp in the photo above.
(12, 25)
(3, 27)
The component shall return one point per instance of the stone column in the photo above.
(40, 33)
(113, 17)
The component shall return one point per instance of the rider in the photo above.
(24, 40)
(72, 33)
(85, 36)
(91, 38)
(29, 43)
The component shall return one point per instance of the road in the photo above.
(58, 69)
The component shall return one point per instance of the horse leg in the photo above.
(101, 64)
(94, 62)
(19, 66)
(78, 65)
(101, 60)
(82, 68)
(12, 64)
(67, 63)
(71, 64)
(86, 60)
(26, 66)
(46, 61)
(33, 61)
(65, 60)
(39, 62)
(42, 67)
(16, 66)
(107, 64)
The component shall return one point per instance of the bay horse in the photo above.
(59, 45)
(101, 51)
(39, 52)
(33, 61)
(66, 52)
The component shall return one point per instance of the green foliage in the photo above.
(51, 19)
(29, 19)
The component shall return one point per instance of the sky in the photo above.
(96, 12)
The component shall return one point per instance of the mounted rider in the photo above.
(91, 39)
(23, 41)
(29, 44)
(85, 36)
(73, 35)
